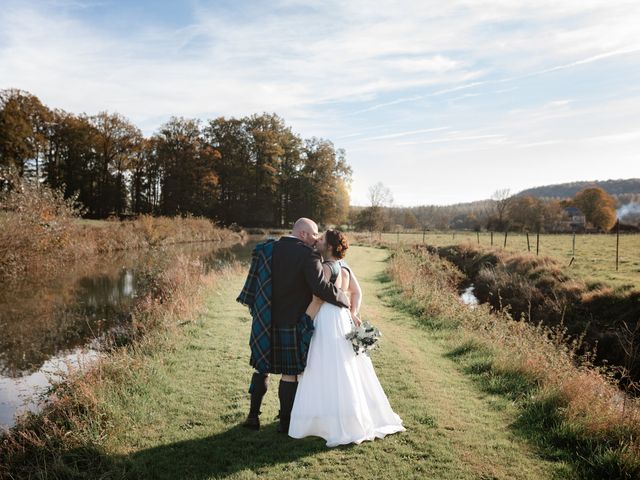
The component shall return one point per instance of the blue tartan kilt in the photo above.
(290, 346)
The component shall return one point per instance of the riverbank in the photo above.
(66, 439)
(569, 408)
(171, 407)
(539, 289)
(41, 232)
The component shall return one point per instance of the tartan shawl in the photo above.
(256, 294)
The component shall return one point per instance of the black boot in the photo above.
(258, 388)
(287, 393)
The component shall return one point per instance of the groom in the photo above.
(284, 275)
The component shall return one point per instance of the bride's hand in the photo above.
(356, 319)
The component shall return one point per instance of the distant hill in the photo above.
(629, 186)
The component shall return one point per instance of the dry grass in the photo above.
(40, 231)
(537, 288)
(66, 439)
(592, 411)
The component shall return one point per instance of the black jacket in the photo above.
(296, 276)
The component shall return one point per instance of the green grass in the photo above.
(178, 418)
(594, 260)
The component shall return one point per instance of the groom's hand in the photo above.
(343, 299)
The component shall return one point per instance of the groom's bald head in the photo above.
(306, 230)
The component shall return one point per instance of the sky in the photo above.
(442, 101)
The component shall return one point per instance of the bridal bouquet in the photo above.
(363, 338)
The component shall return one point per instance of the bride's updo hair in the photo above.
(338, 242)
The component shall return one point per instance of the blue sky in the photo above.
(442, 101)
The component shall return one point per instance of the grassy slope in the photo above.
(594, 260)
(181, 419)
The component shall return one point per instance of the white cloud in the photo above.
(496, 71)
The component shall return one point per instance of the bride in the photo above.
(339, 397)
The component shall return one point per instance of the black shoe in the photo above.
(258, 388)
(252, 423)
(281, 425)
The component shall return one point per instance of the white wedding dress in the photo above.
(339, 397)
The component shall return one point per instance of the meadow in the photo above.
(595, 254)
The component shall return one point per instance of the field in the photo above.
(595, 254)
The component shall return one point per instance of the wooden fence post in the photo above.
(505, 238)
(528, 244)
(492, 238)
(538, 243)
(617, 243)
(424, 232)
(478, 235)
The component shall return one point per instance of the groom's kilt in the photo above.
(290, 346)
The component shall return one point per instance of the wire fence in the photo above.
(614, 257)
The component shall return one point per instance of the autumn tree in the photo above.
(71, 158)
(23, 125)
(189, 179)
(116, 139)
(323, 182)
(252, 170)
(598, 207)
(410, 221)
(526, 213)
(233, 140)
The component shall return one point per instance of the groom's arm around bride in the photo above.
(281, 330)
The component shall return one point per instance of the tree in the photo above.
(324, 181)
(189, 179)
(598, 207)
(374, 217)
(251, 170)
(235, 169)
(23, 123)
(410, 220)
(501, 199)
(380, 196)
(116, 140)
(371, 219)
(71, 159)
(525, 214)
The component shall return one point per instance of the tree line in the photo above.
(595, 210)
(253, 171)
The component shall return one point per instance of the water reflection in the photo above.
(468, 297)
(47, 324)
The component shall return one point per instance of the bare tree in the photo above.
(502, 198)
(380, 195)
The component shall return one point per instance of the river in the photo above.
(55, 322)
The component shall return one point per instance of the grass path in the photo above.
(182, 420)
